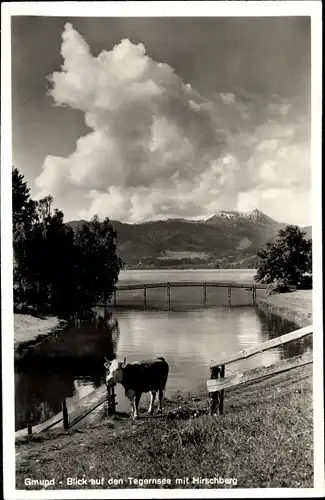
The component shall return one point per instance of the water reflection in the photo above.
(67, 366)
(272, 324)
(71, 365)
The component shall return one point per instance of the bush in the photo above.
(278, 287)
(305, 283)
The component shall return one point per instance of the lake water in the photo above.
(188, 339)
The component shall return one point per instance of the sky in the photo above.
(150, 118)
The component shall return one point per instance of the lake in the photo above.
(70, 365)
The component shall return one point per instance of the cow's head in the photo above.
(114, 371)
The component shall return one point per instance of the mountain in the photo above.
(227, 239)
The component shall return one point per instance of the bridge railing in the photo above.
(183, 297)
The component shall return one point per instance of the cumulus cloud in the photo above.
(157, 148)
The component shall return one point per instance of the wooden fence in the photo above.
(178, 284)
(70, 416)
(217, 384)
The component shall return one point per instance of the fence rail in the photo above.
(218, 383)
(264, 346)
(260, 372)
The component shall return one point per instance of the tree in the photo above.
(49, 263)
(288, 258)
(23, 216)
(23, 207)
(97, 263)
(56, 270)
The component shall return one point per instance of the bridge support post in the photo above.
(254, 295)
(65, 414)
(145, 296)
(168, 296)
(229, 295)
(204, 294)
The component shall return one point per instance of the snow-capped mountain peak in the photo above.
(236, 216)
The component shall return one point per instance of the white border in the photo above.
(158, 9)
(165, 8)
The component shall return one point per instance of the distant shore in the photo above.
(294, 306)
(204, 266)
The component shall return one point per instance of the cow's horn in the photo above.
(124, 362)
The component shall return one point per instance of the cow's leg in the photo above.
(160, 398)
(136, 404)
(132, 407)
(130, 394)
(152, 400)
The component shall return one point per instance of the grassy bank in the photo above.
(264, 439)
(294, 306)
(30, 330)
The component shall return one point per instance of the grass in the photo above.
(293, 306)
(264, 439)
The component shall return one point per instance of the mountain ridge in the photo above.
(226, 239)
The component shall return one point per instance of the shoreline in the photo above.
(296, 307)
(29, 331)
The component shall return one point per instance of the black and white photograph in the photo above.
(161, 245)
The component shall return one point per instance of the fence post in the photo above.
(205, 293)
(110, 400)
(221, 394)
(168, 296)
(145, 296)
(229, 295)
(216, 401)
(65, 414)
(30, 423)
(214, 396)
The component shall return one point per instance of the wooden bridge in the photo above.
(216, 385)
(204, 285)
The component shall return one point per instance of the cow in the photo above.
(138, 377)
